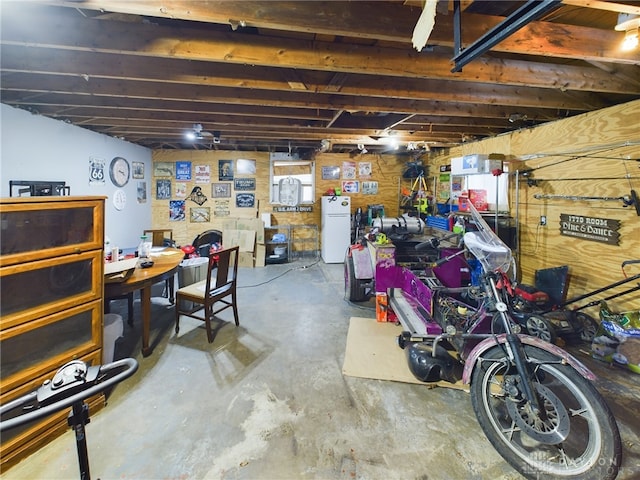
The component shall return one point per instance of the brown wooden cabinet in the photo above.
(51, 302)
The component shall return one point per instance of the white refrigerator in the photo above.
(335, 229)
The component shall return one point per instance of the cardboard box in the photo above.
(225, 223)
(381, 307)
(245, 239)
(463, 204)
(468, 164)
(479, 199)
(260, 255)
(489, 165)
(245, 259)
(244, 212)
(254, 224)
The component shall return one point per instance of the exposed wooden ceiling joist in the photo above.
(275, 74)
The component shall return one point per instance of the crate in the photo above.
(438, 222)
(445, 208)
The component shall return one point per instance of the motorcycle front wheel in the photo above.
(574, 437)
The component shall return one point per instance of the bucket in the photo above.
(112, 330)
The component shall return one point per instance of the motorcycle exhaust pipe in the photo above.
(399, 224)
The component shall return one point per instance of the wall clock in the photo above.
(119, 199)
(119, 171)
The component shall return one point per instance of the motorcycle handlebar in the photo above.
(443, 260)
(77, 390)
(434, 242)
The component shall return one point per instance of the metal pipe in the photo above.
(518, 19)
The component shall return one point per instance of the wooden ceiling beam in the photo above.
(119, 38)
(409, 89)
(101, 112)
(377, 21)
(151, 91)
(20, 59)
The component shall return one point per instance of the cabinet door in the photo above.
(34, 348)
(34, 289)
(36, 230)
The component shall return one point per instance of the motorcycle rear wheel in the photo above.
(577, 439)
(354, 290)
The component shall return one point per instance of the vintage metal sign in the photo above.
(244, 183)
(604, 230)
(297, 208)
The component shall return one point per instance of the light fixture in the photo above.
(325, 145)
(629, 24)
(197, 133)
(630, 41)
(517, 117)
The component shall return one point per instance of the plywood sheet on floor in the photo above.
(372, 352)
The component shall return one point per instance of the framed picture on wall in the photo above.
(163, 189)
(244, 200)
(330, 173)
(225, 170)
(164, 169)
(199, 214)
(220, 190)
(245, 166)
(137, 169)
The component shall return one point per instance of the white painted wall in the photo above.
(33, 147)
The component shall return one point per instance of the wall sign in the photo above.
(244, 200)
(96, 171)
(296, 208)
(183, 170)
(330, 173)
(604, 230)
(244, 183)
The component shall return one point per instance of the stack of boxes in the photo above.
(248, 234)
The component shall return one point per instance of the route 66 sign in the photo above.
(96, 171)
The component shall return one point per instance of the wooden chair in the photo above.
(218, 288)
(158, 239)
(202, 243)
(158, 236)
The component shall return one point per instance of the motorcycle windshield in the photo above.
(486, 246)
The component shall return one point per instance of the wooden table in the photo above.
(165, 265)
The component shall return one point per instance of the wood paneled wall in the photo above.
(588, 155)
(591, 155)
(385, 169)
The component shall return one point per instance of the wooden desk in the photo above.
(165, 265)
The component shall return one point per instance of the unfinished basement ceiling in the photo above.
(284, 76)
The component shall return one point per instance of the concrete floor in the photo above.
(267, 400)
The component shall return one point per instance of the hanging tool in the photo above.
(627, 200)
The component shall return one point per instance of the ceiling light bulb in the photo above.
(190, 135)
(630, 41)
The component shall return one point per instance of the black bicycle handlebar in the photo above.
(72, 383)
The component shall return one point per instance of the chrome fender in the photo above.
(487, 343)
